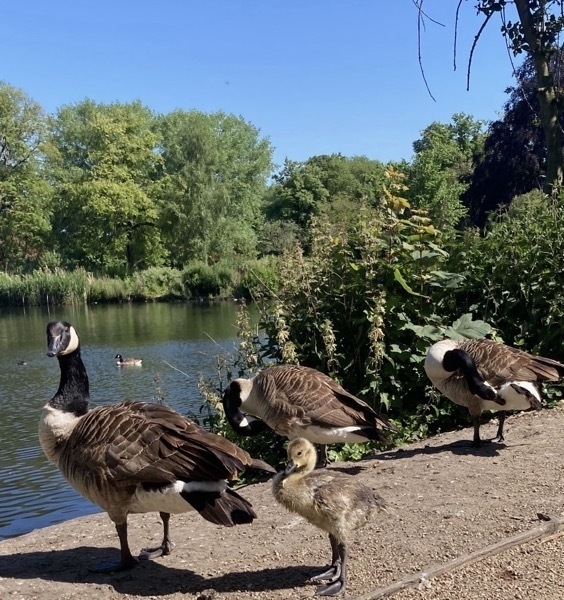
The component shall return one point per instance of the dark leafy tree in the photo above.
(536, 32)
(514, 157)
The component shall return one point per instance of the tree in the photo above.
(536, 32)
(327, 183)
(215, 172)
(25, 194)
(104, 165)
(513, 159)
(442, 167)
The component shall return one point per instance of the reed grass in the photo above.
(196, 281)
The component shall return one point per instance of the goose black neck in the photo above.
(253, 426)
(458, 359)
(73, 394)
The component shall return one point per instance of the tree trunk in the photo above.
(548, 99)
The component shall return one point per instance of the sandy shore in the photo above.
(446, 500)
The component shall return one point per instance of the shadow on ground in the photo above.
(149, 578)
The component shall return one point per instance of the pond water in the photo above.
(177, 343)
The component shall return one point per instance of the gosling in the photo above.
(334, 502)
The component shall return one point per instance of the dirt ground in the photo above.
(446, 500)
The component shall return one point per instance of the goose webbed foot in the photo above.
(332, 573)
(127, 560)
(335, 588)
(163, 550)
(114, 567)
(166, 545)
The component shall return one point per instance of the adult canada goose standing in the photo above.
(131, 362)
(486, 375)
(298, 401)
(137, 457)
(332, 501)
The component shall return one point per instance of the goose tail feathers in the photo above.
(225, 508)
(262, 466)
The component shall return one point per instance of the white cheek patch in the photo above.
(74, 342)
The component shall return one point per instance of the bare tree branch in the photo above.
(420, 16)
(456, 32)
(474, 43)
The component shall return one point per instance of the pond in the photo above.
(176, 342)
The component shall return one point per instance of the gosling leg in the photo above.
(336, 587)
(128, 561)
(166, 546)
(334, 571)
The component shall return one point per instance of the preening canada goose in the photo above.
(486, 375)
(298, 401)
(332, 501)
(132, 362)
(137, 457)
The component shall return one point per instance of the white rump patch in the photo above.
(169, 499)
(519, 395)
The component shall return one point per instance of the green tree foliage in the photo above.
(514, 274)
(323, 183)
(360, 306)
(24, 190)
(103, 165)
(215, 172)
(441, 169)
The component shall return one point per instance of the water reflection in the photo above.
(186, 337)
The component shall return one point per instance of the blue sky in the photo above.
(315, 76)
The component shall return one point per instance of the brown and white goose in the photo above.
(137, 457)
(298, 401)
(337, 503)
(486, 375)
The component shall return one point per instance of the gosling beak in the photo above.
(291, 466)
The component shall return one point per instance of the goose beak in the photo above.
(291, 466)
(53, 346)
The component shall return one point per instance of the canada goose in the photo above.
(137, 457)
(332, 501)
(298, 401)
(486, 375)
(132, 362)
(22, 363)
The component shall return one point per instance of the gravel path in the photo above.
(445, 498)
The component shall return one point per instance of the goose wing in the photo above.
(308, 397)
(498, 363)
(151, 443)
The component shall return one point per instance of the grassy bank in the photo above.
(194, 282)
